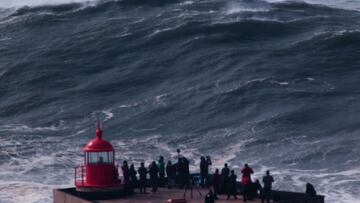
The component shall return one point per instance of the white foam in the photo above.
(186, 3)
(21, 191)
(27, 173)
(281, 83)
(27, 129)
(129, 105)
(4, 39)
(241, 10)
(161, 30)
(234, 7)
(230, 153)
(160, 99)
(331, 184)
(255, 80)
(343, 4)
(157, 31)
(3, 70)
(33, 3)
(109, 115)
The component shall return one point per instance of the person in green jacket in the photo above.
(161, 166)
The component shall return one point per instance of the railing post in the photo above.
(82, 175)
(75, 176)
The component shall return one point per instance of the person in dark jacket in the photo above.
(216, 182)
(179, 172)
(132, 177)
(231, 189)
(209, 163)
(257, 188)
(266, 191)
(186, 172)
(154, 171)
(171, 174)
(125, 171)
(224, 178)
(142, 181)
(204, 171)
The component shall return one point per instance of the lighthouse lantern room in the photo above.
(99, 172)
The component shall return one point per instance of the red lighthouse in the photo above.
(99, 172)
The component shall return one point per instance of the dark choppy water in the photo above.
(274, 84)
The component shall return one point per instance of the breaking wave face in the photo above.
(33, 3)
(269, 83)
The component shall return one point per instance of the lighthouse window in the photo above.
(111, 156)
(93, 157)
(103, 158)
(100, 157)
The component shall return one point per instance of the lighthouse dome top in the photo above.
(98, 144)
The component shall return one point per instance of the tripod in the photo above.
(190, 185)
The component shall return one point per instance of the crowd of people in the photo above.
(178, 174)
(226, 183)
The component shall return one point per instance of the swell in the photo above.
(55, 9)
(191, 35)
(101, 6)
(86, 7)
(254, 85)
(332, 40)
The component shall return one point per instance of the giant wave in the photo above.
(271, 83)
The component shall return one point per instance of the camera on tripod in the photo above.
(194, 181)
(208, 160)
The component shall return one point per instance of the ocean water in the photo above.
(271, 83)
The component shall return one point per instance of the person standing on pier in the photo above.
(266, 192)
(180, 172)
(231, 189)
(142, 174)
(132, 178)
(154, 171)
(125, 171)
(224, 178)
(171, 174)
(246, 182)
(161, 166)
(216, 182)
(247, 171)
(186, 169)
(204, 172)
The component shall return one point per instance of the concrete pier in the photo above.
(161, 196)
(70, 195)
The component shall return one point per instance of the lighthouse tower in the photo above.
(99, 172)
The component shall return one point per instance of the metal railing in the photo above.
(79, 175)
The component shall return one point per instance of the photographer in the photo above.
(204, 171)
(208, 160)
(209, 163)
